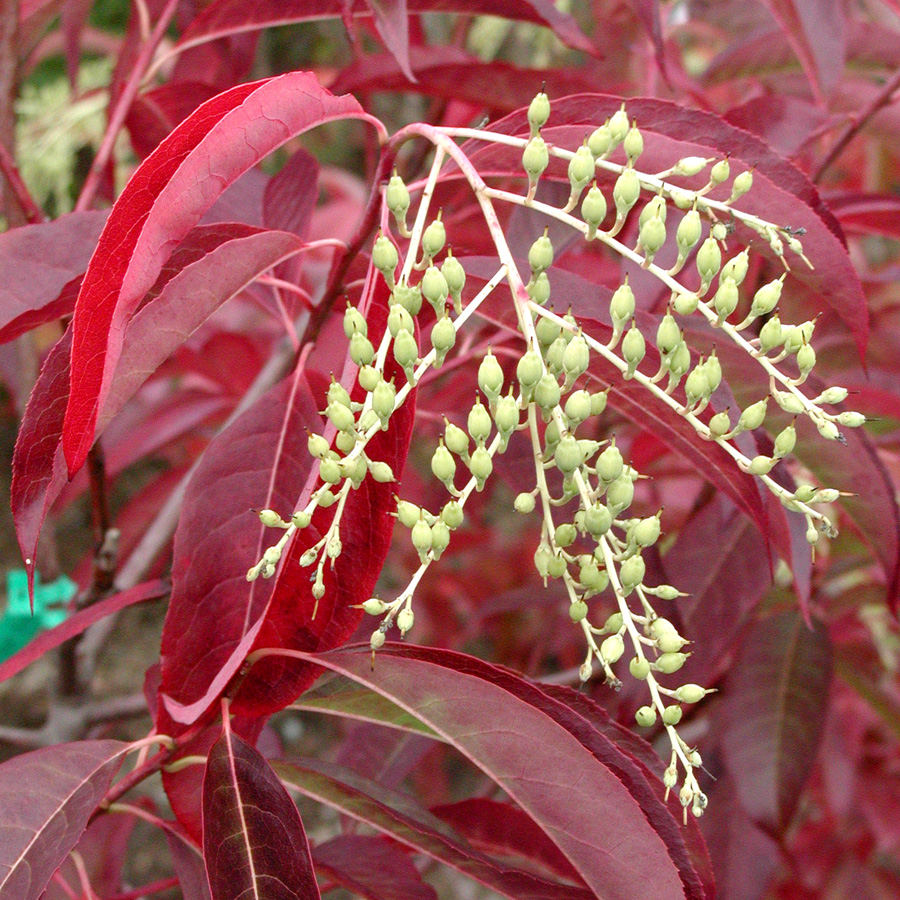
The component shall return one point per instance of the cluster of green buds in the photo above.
(591, 540)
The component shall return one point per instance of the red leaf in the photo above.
(453, 74)
(163, 200)
(42, 824)
(234, 16)
(77, 623)
(489, 714)
(774, 713)
(46, 257)
(213, 263)
(372, 868)
(253, 839)
(392, 22)
(155, 114)
(867, 213)
(502, 829)
(399, 816)
(816, 30)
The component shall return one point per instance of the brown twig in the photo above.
(856, 124)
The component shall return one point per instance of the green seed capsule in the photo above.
(547, 392)
(271, 519)
(622, 304)
(689, 232)
(435, 288)
(409, 297)
(455, 276)
(452, 514)
(374, 607)
(598, 402)
(581, 169)
(421, 538)
(709, 258)
(317, 445)
(619, 495)
(726, 298)
(655, 207)
(385, 258)
(753, 416)
(547, 331)
(633, 349)
(354, 322)
(742, 183)
(639, 668)
(405, 619)
(443, 465)
(689, 166)
(557, 566)
(524, 503)
(443, 337)
(761, 465)
(646, 716)
(397, 197)
(785, 441)
(828, 430)
(668, 335)
(631, 572)
(361, 350)
(346, 442)
(646, 532)
(612, 648)
(535, 158)
(652, 236)
(551, 436)
(337, 393)
(480, 465)
(691, 693)
(376, 642)
(593, 208)
(529, 369)
(538, 112)
(670, 642)
(368, 378)
(383, 399)
(597, 520)
(669, 663)
(434, 237)
(851, 419)
(633, 144)
(381, 472)
(578, 407)
(696, 388)
(540, 255)
(301, 519)
(406, 350)
(440, 538)
(564, 535)
(408, 513)
(672, 715)
(329, 471)
(618, 126)
(479, 423)
(578, 610)
(626, 192)
(766, 298)
(600, 141)
(576, 358)
(720, 172)
(490, 376)
(806, 359)
(684, 304)
(713, 371)
(340, 417)
(539, 289)
(771, 334)
(568, 456)
(398, 319)
(610, 464)
(832, 395)
(506, 415)
(736, 268)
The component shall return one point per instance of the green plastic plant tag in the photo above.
(18, 625)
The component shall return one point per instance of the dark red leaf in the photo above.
(867, 213)
(188, 865)
(234, 16)
(74, 18)
(253, 839)
(155, 114)
(77, 623)
(40, 260)
(816, 30)
(501, 829)
(721, 562)
(774, 713)
(47, 798)
(489, 714)
(451, 73)
(399, 816)
(163, 200)
(392, 22)
(372, 868)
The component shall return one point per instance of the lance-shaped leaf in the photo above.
(213, 264)
(47, 798)
(774, 713)
(372, 868)
(254, 844)
(400, 817)
(226, 17)
(163, 200)
(574, 781)
(45, 257)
